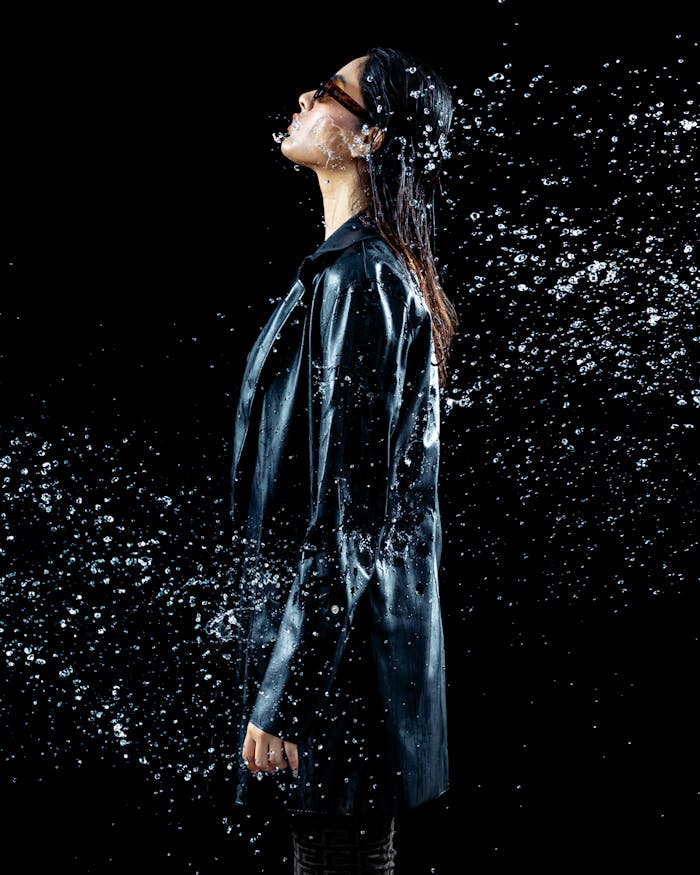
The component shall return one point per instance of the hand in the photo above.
(263, 752)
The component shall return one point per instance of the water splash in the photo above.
(568, 241)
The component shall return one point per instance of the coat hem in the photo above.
(393, 810)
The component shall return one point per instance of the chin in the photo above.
(287, 148)
(295, 152)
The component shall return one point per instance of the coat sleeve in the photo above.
(357, 362)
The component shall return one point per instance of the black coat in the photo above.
(335, 508)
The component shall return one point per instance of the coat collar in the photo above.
(352, 230)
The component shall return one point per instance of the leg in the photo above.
(343, 844)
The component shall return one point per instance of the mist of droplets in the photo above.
(105, 597)
(575, 377)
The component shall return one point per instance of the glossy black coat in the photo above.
(335, 509)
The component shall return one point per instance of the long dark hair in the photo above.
(413, 106)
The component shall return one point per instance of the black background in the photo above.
(150, 222)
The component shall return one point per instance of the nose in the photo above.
(306, 100)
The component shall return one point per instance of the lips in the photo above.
(294, 123)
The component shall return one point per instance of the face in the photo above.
(325, 135)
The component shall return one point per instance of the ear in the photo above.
(368, 143)
(375, 138)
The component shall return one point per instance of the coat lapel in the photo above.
(256, 359)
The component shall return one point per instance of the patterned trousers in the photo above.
(327, 844)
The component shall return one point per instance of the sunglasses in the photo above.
(336, 92)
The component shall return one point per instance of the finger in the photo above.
(263, 743)
(292, 753)
(261, 758)
(272, 757)
(248, 753)
(275, 756)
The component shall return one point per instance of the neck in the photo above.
(343, 197)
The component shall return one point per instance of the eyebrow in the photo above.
(338, 76)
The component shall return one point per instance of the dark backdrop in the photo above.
(150, 226)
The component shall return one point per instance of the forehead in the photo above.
(349, 74)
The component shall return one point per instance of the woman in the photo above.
(340, 654)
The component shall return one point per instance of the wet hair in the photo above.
(413, 106)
